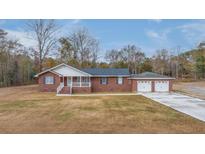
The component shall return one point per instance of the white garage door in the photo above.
(144, 86)
(161, 86)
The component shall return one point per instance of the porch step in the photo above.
(66, 90)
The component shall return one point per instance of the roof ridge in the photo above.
(150, 75)
(107, 71)
(103, 68)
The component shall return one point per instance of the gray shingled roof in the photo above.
(107, 71)
(149, 75)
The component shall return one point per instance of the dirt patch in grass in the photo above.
(194, 89)
(25, 110)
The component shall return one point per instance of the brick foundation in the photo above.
(65, 90)
(81, 90)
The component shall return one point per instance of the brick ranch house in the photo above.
(65, 79)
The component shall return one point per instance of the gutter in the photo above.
(155, 78)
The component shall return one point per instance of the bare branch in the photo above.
(44, 32)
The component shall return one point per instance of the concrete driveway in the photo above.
(192, 106)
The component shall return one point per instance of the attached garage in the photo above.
(144, 86)
(161, 86)
(151, 82)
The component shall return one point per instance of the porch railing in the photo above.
(81, 84)
(60, 87)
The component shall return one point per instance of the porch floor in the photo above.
(99, 94)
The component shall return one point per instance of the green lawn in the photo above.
(25, 110)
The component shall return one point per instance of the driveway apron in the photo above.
(189, 105)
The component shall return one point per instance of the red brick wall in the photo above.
(65, 90)
(48, 87)
(65, 81)
(170, 85)
(112, 85)
(75, 90)
(81, 90)
(134, 83)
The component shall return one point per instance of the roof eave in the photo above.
(47, 71)
(152, 78)
(50, 69)
(77, 69)
(110, 75)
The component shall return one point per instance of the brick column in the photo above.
(65, 81)
(170, 85)
(153, 85)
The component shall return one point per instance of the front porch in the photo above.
(72, 84)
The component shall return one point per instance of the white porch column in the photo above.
(63, 81)
(89, 82)
(71, 81)
(80, 82)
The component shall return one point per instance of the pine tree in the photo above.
(200, 66)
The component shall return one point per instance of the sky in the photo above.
(147, 34)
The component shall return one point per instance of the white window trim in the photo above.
(78, 78)
(103, 82)
(49, 80)
(118, 79)
(85, 79)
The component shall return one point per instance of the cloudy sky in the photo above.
(149, 35)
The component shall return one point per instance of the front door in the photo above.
(69, 80)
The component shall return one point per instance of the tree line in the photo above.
(19, 64)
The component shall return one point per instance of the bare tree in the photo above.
(84, 45)
(44, 32)
(66, 50)
(130, 56)
(178, 49)
(161, 61)
(112, 56)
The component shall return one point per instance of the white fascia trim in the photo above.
(155, 78)
(74, 69)
(50, 69)
(47, 71)
(110, 75)
(55, 73)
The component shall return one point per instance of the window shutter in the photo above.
(122, 80)
(44, 80)
(54, 80)
(100, 80)
(106, 80)
(116, 80)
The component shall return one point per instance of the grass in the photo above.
(64, 116)
(16, 105)
(190, 88)
(25, 110)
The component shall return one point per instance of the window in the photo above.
(49, 80)
(69, 81)
(103, 80)
(85, 79)
(77, 79)
(119, 80)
